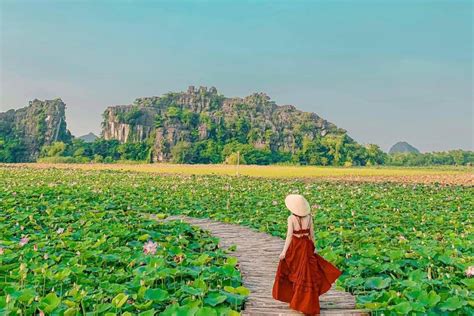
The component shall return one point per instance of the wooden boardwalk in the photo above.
(257, 254)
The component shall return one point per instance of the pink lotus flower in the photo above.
(315, 206)
(2, 251)
(14, 193)
(470, 271)
(24, 241)
(149, 248)
(41, 313)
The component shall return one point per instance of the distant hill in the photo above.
(88, 138)
(403, 147)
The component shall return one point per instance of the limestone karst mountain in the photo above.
(202, 114)
(29, 128)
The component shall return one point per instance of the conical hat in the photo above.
(297, 204)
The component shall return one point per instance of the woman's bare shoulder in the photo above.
(290, 219)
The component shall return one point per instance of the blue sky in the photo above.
(383, 70)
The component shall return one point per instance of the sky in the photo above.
(385, 71)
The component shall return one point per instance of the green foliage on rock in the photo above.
(132, 116)
(25, 131)
(174, 113)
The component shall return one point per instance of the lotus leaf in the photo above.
(397, 243)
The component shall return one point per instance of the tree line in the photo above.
(330, 150)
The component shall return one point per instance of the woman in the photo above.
(302, 274)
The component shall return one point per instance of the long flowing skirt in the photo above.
(303, 276)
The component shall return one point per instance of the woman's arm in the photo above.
(311, 232)
(289, 234)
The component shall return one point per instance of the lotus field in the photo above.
(78, 242)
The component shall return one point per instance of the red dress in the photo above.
(303, 275)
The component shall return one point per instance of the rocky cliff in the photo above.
(40, 123)
(203, 114)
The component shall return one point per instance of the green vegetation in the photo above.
(403, 248)
(70, 250)
(12, 150)
(209, 151)
(12, 147)
(329, 151)
(131, 117)
(447, 158)
(100, 150)
(158, 121)
(174, 113)
(53, 150)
